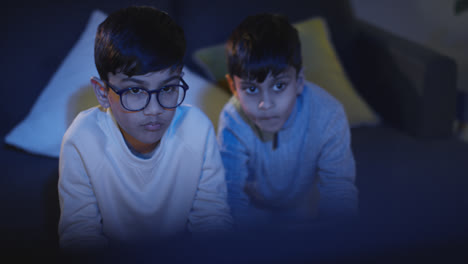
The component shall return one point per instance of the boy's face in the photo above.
(270, 103)
(142, 129)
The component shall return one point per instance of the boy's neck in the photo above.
(269, 137)
(136, 147)
(143, 155)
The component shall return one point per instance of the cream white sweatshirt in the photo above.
(107, 194)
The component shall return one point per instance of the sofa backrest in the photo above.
(38, 35)
(208, 22)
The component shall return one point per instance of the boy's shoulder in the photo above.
(320, 103)
(232, 107)
(319, 96)
(87, 119)
(190, 124)
(188, 116)
(88, 127)
(232, 114)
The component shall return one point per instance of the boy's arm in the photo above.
(235, 157)
(210, 212)
(337, 172)
(80, 224)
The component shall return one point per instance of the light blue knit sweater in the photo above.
(279, 185)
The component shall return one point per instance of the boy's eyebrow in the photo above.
(281, 76)
(131, 79)
(170, 79)
(276, 78)
(141, 82)
(246, 82)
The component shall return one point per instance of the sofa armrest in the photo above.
(412, 87)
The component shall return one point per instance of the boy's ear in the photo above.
(300, 81)
(231, 84)
(101, 91)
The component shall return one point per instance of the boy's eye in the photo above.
(250, 89)
(168, 89)
(279, 86)
(135, 90)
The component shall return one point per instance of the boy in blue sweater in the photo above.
(280, 136)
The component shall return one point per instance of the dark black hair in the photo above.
(261, 44)
(137, 40)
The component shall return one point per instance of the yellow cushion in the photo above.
(321, 66)
(212, 60)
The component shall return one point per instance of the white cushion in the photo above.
(69, 91)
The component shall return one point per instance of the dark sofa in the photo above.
(411, 170)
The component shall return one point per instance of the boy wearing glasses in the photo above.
(280, 137)
(141, 166)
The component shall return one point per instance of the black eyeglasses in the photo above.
(137, 98)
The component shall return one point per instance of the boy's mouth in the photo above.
(267, 118)
(152, 126)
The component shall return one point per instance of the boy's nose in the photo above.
(266, 103)
(153, 107)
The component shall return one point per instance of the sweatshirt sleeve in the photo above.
(234, 154)
(336, 171)
(210, 212)
(80, 225)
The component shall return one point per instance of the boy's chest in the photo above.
(292, 163)
(154, 196)
(174, 170)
